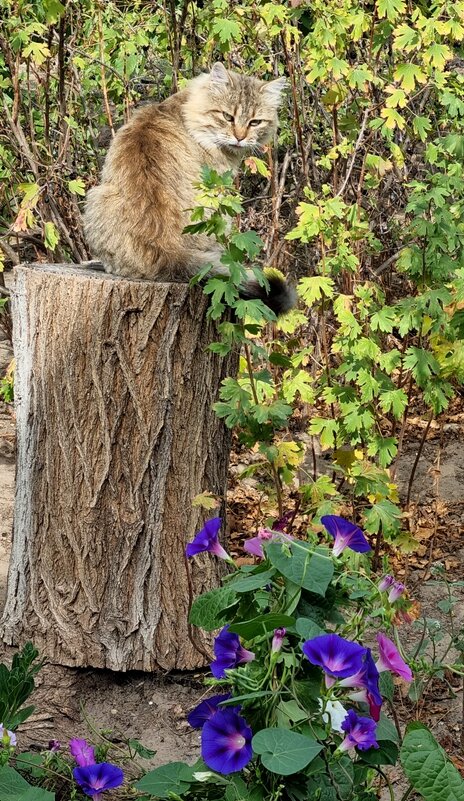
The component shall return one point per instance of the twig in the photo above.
(353, 158)
(103, 68)
(416, 460)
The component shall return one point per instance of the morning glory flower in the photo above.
(207, 540)
(390, 658)
(345, 534)
(396, 592)
(360, 733)
(335, 713)
(336, 656)
(226, 742)
(277, 640)
(7, 737)
(368, 680)
(385, 583)
(54, 746)
(206, 709)
(82, 752)
(255, 544)
(95, 779)
(229, 653)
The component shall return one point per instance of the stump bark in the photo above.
(116, 436)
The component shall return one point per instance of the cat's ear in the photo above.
(218, 74)
(273, 91)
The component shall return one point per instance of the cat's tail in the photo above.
(280, 297)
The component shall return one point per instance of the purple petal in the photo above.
(226, 742)
(336, 656)
(82, 752)
(386, 582)
(228, 652)
(206, 539)
(390, 658)
(368, 680)
(277, 640)
(204, 711)
(360, 733)
(95, 779)
(345, 534)
(396, 592)
(254, 547)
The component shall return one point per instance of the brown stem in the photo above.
(101, 48)
(416, 460)
(299, 132)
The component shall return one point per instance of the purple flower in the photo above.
(204, 711)
(277, 640)
(396, 592)
(54, 746)
(360, 733)
(390, 658)
(386, 582)
(282, 523)
(226, 742)
(254, 545)
(228, 652)
(345, 534)
(368, 680)
(95, 779)
(7, 737)
(207, 540)
(336, 656)
(82, 752)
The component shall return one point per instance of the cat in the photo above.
(133, 220)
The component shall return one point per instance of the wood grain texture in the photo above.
(116, 436)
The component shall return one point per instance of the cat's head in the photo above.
(231, 111)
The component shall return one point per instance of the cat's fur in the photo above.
(134, 219)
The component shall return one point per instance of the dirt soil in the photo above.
(153, 708)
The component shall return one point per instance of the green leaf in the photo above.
(428, 768)
(51, 236)
(53, 10)
(385, 754)
(315, 288)
(284, 752)
(248, 629)
(175, 777)
(408, 75)
(308, 567)
(307, 628)
(77, 186)
(13, 787)
(249, 242)
(391, 9)
(145, 753)
(208, 610)
(227, 30)
(254, 582)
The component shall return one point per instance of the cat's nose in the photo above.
(240, 135)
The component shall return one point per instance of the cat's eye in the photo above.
(227, 117)
(254, 123)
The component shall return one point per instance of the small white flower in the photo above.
(335, 712)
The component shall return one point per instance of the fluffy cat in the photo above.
(134, 219)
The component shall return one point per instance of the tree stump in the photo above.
(116, 436)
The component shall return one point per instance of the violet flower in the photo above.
(7, 737)
(229, 653)
(226, 742)
(206, 709)
(396, 592)
(254, 545)
(360, 733)
(282, 523)
(207, 540)
(277, 640)
(54, 746)
(82, 752)
(95, 779)
(385, 583)
(390, 658)
(336, 656)
(368, 680)
(345, 534)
